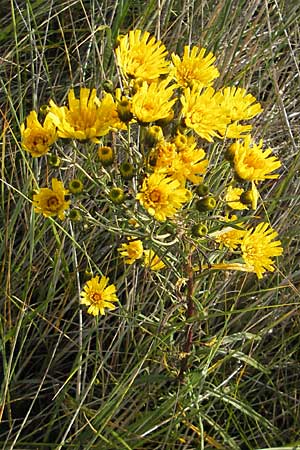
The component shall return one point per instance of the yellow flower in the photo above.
(163, 155)
(131, 251)
(232, 198)
(258, 248)
(237, 105)
(229, 237)
(203, 114)
(37, 138)
(251, 163)
(152, 261)
(162, 196)
(86, 117)
(141, 56)
(185, 163)
(152, 102)
(97, 295)
(51, 202)
(194, 68)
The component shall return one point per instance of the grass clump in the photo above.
(192, 338)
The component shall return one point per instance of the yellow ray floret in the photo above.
(141, 56)
(194, 68)
(98, 295)
(131, 251)
(183, 163)
(238, 106)
(51, 202)
(232, 198)
(153, 101)
(229, 236)
(162, 196)
(153, 261)
(37, 138)
(251, 163)
(203, 114)
(258, 247)
(85, 117)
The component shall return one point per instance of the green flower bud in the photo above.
(199, 229)
(202, 190)
(53, 160)
(108, 86)
(106, 155)
(152, 136)
(166, 120)
(126, 170)
(44, 109)
(206, 204)
(180, 140)
(230, 152)
(117, 195)
(75, 186)
(247, 198)
(124, 110)
(75, 215)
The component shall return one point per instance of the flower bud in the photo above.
(230, 152)
(75, 215)
(108, 86)
(165, 120)
(152, 136)
(206, 204)
(202, 190)
(181, 140)
(247, 198)
(54, 160)
(124, 110)
(106, 155)
(199, 229)
(44, 109)
(117, 195)
(75, 186)
(126, 170)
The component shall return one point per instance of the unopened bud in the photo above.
(199, 229)
(206, 204)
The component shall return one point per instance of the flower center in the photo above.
(39, 140)
(53, 203)
(96, 298)
(155, 196)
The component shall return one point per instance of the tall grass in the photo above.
(70, 381)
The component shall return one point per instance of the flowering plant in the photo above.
(151, 149)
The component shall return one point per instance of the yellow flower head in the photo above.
(163, 155)
(152, 101)
(203, 114)
(237, 105)
(86, 117)
(97, 295)
(251, 163)
(185, 163)
(141, 56)
(229, 237)
(232, 198)
(258, 248)
(131, 251)
(37, 138)
(51, 202)
(162, 196)
(152, 261)
(194, 68)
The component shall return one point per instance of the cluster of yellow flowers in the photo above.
(167, 107)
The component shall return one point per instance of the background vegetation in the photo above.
(71, 382)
